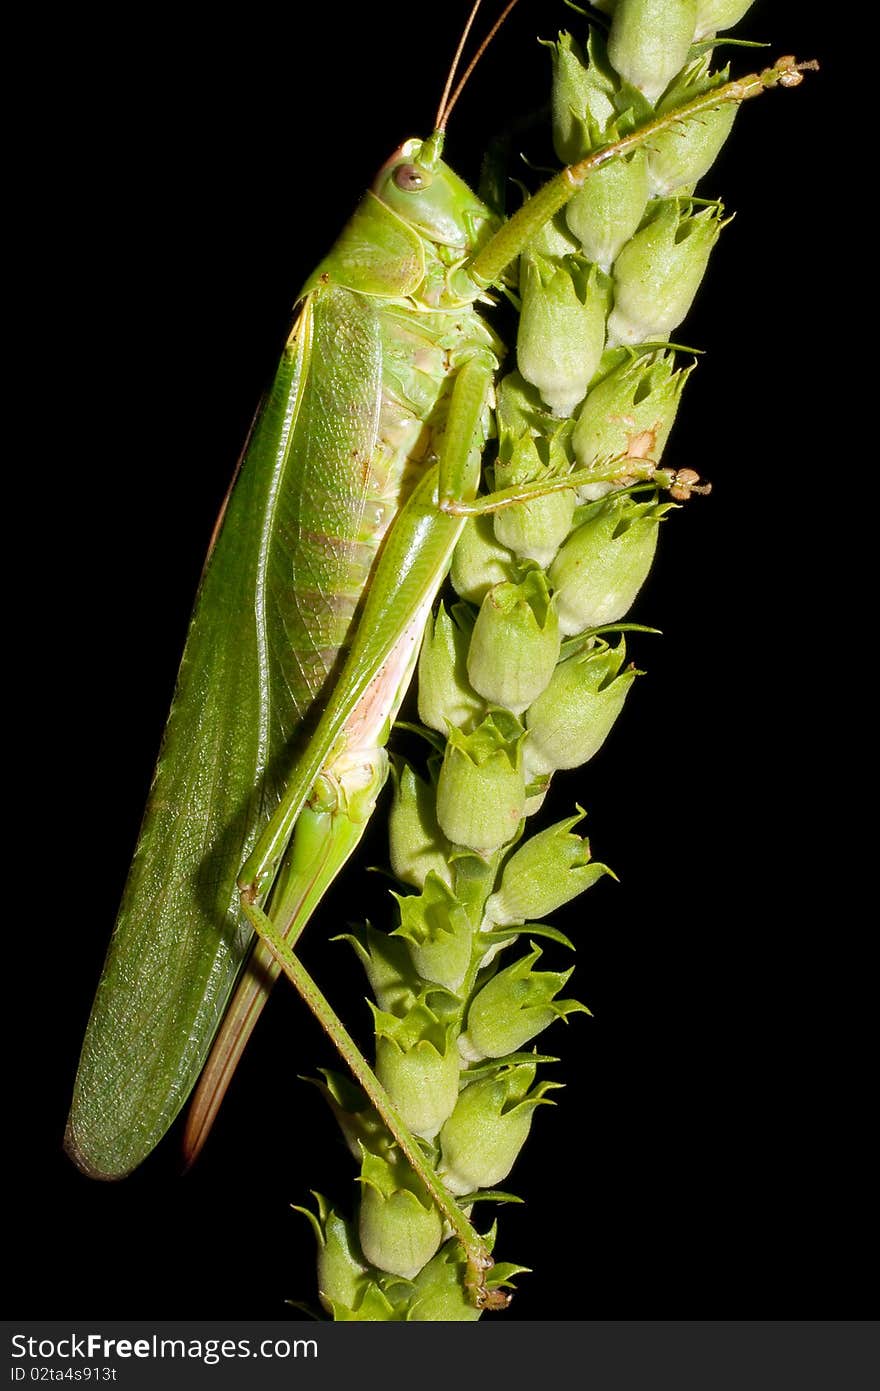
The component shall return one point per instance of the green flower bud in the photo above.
(515, 643)
(570, 721)
(440, 1294)
(554, 238)
(603, 565)
(342, 1275)
(544, 872)
(534, 530)
(520, 411)
(390, 971)
(488, 1128)
(713, 15)
(480, 793)
(582, 100)
(649, 41)
(629, 414)
(399, 1226)
(517, 1004)
(445, 697)
(340, 1271)
(659, 271)
(562, 327)
(373, 1306)
(605, 213)
(417, 844)
(359, 1122)
(418, 1064)
(678, 158)
(437, 928)
(478, 561)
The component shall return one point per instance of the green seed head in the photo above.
(359, 1122)
(481, 792)
(388, 965)
(659, 271)
(340, 1269)
(517, 1004)
(342, 1275)
(515, 643)
(488, 1128)
(440, 1293)
(678, 158)
(417, 844)
(562, 327)
(649, 41)
(712, 15)
(629, 414)
(418, 1064)
(605, 213)
(554, 239)
(445, 695)
(520, 412)
(479, 561)
(533, 447)
(534, 530)
(603, 565)
(549, 869)
(437, 929)
(570, 721)
(399, 1226)
(582, 100)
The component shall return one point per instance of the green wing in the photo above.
(275, 605)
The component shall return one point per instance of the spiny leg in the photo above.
(479, 1260)
(427, 560)
(327, 832)
(507, 243)
(621, 470)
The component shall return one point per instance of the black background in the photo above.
(706, 1158)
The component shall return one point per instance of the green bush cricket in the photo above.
(376, 380)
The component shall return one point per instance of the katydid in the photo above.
(358, 474)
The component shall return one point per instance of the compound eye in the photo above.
(410, 178)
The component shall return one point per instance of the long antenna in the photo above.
(444, 112)
(440, 118)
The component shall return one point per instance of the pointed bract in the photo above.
(628, 414)
(399, 1226)
(544, 872)
(678, 158)
(479, 560)
(439, 1290)
(562, 327)
(605, 213)
(534, 530)
(437, 928)
(481, 791)
(649, 41)
(659, 270)
(513, 1007)
(603, 565)
(342, 1274)
(488, 1128)
(417, 1063)
(515, 643)
(569, 723)
(445, 694)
